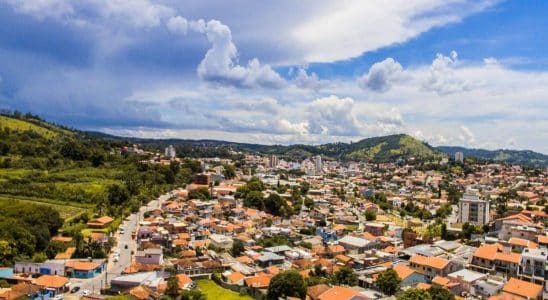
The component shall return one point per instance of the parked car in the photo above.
(116, 259)
(86, 293)
(75, 289)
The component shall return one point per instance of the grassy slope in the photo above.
(213, 291)
(92, 180)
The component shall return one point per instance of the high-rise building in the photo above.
(472, 209)
(169, 152)
(273, 161)
(318, 164)
(459, 157)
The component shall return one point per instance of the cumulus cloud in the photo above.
(311, 81)
(335, 116)
(265, 105)
(466, 136)
(220, 62)
(442, 78)
(177, 24)
(381, 75)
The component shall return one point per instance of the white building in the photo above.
(533, 266)
(318, 164)
(221, 241)
(273, 161)
(472, 209)
(169, 152)
(459, 157)
(152, 256)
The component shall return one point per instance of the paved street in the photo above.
(114, 269)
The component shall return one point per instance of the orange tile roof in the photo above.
(258, 281)
(508, 257)
(505, 296)
(273, 270)
(338, 293)
(523, 243)
(434, 262)
(51, 281)
(439, 280)
(244, 260)
(235, 277)
(183, 279)
(486, 251)
(82, 265)
(522, 288)
(542, 239)
(423, 286)
(403, 271)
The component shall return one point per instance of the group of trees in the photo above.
(433, 293)
(252, 195)
(25, 230)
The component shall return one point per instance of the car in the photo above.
(75, 289)
(125, 246)
(86, 293)
(122, 231)
(116, 259)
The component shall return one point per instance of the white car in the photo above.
(86, 293)
(116, 259)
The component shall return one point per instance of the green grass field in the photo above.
(20, 125)
(213, 291)
(67, 211)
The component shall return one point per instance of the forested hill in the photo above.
(521, 157)
(65, 177)
(376, 149)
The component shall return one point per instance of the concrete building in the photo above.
(472, 209)
(152, 256)
(273, 161)
(459, 157)
(221, 241)
(532, 266)
(318, 164)
(169, 152)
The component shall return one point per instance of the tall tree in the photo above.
(388, 282)
(286, 284)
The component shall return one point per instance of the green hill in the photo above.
(49, 168)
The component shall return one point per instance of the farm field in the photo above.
(66, 211)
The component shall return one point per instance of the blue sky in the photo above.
(450, 72)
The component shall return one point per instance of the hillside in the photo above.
(521, 157)
(376, 149)
(48, 168)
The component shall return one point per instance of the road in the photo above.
(114, 269)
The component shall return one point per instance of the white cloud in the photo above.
(220, 62)
(310, 81)
(177, 24)
(43, 8)
(335, 116)
(442, 78)
(381, 75)
(466, 136)
(346, 29)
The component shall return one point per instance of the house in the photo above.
(269, 258)
(142, 292)
(236, 278)
(102, 222)
(466, 279)
(53, 284)
(151, 256)
(408, 276)
(431, 266)
(341, 293)
(221, 241)
(523, 289)
(258, 282)
(489, 258)
(84, 269)
(49, 267)
(184, 281)
(354, 245)
(533, 266)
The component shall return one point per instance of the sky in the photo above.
(471, 73)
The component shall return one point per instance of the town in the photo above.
(264, 227)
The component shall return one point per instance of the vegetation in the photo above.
(345, 276)
(286, 284)
(388, 282)
(439, 293)
(414, 294)
(75, 177)
(213, 291)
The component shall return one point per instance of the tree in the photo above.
(229, 171)
(439, 293)
(286, 284)
(389, 282)
(201, 193)
(345, 276)
(237, 248)
(370, 215)
(193, 295)
(172, 285)
(414, 294)
(4, 284)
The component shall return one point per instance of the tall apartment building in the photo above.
(169, 152)
(318, 164)
(273, 161)
(534, 267)
(472, 209)
(459, 157)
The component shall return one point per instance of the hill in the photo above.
(47, 167)
(376, 149)
(520, 157)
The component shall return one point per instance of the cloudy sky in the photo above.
(451, 72)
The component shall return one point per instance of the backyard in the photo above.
(213, 291)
